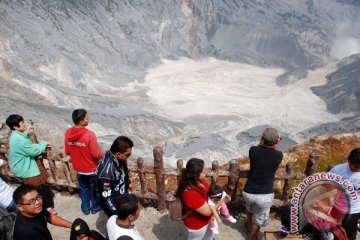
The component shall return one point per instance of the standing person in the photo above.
(6, 192)
(258, 191)
(31, 219)
(350, 171)
(120, 226)
(112, 174)
(22, 153)
(83, 148)
(193, 190)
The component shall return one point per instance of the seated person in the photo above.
(121, 226)
(31, 219)
(81, 231)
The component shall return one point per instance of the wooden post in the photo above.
(215, 172)
(312, 163)
(160, 177)
(52, 165)
(233, 177)
(179, 167)
(141, 171)
(287, 182)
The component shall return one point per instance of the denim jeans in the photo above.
(87, 193)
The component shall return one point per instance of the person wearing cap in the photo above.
(258, 191)
(81, 231)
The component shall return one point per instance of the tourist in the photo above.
(216, 194)
(258, 191)
(31, 219)
(193, 190)
(112, 174)
(81, 231)
(83, 148)
(120, 226)
(350, 171)
(6, 192)
(22, 156)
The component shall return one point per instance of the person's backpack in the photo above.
(6, 224)
(175, 207)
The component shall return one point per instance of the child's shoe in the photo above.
(214, 230)
(231, 219)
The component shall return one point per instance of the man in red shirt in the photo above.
(85, 153)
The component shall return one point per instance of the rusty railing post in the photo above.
(160, 177)
(179, 167)
(312, 163)
(141, 171)
(215, 171)
(234, 168)
(287, 182)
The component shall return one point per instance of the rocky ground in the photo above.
(151, 224)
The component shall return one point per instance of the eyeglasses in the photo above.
(32, 201)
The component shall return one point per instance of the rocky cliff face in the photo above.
(59, 55)
(342, 91)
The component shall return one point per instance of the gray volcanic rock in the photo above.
(207, 146)
(345, 125)
(254, 134)
(342, 91)
(58, 55)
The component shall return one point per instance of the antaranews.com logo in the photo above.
(322, 200)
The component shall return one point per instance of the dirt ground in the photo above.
(151, 224)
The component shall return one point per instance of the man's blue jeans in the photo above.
(87, 193)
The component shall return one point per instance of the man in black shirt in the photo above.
(31, 220)
(258, 191)
(112, 174)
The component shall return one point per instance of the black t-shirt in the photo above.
(264, 162)
(32, 228)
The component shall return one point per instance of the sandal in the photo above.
(52, 211)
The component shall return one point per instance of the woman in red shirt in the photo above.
(193, 190)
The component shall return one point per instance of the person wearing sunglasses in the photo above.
(31, 219)
(112, 174)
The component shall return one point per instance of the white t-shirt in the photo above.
(6, 192)
(115, 231)
(354, 178)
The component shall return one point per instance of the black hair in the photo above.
(126, 204)
(14, 121)
(354, 156)
(121, 144)
(21, 191)
(190, 175)
(79, 227)
(78, 115)
(215, 190)
(124, 238)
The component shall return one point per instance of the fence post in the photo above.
(179, 167)
(287, 182)
(312, 163)
(215, 171)
(160, 177)
(140, 170)
(234, 167)
(52, 165)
